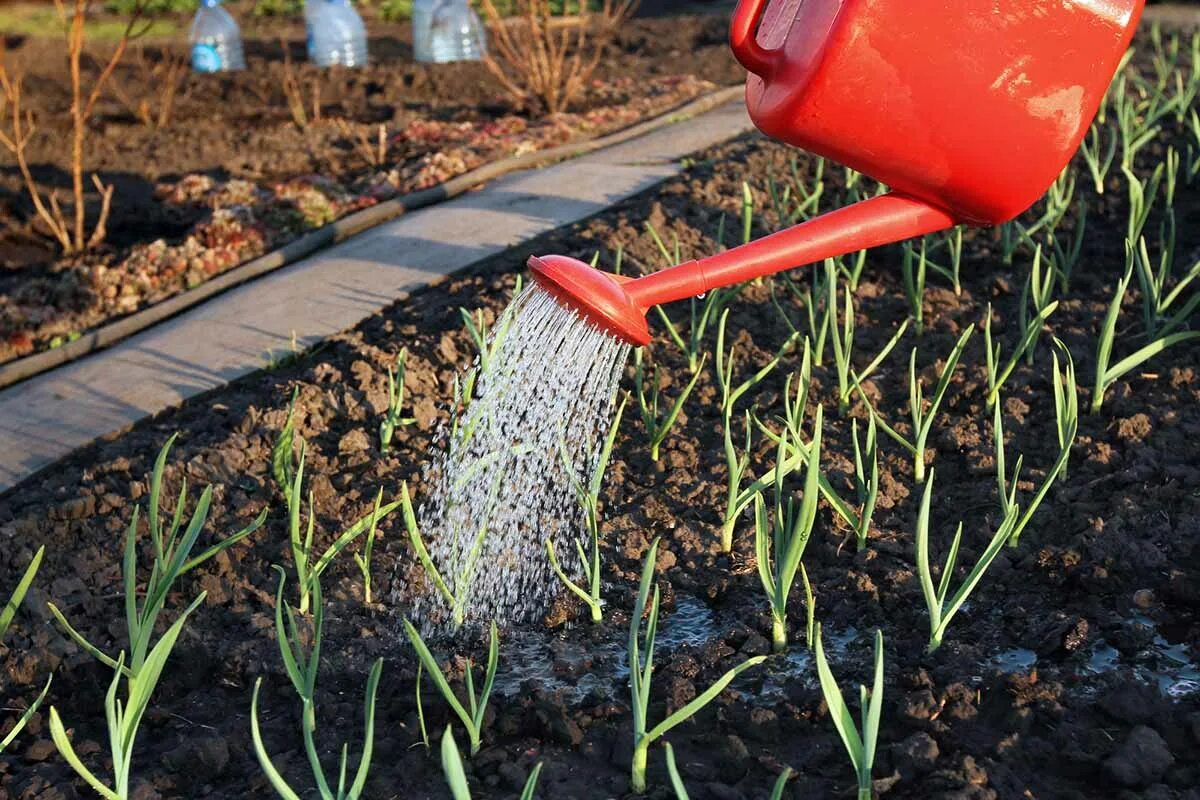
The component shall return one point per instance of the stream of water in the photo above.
(501, 480)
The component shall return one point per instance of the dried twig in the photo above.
(375, 154)
(293, 93)
(538, 60)
(167, 76)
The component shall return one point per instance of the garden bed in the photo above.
(233, 173)
(1071, 673)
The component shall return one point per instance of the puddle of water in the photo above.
(691, 622)
(1013, 661)
(582, 668)
(769, 683)
(1169, 666)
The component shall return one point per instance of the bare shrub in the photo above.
(71, 233)
(545, 59)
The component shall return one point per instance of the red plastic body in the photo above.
(967, 109)
(974, 106)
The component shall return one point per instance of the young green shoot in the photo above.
(18, 596)
(1108, 373)
(703, 311)
(473, 713)
(914, 284)
(303, 674)
(1038, 294)
(843, 348)
(1066, 249)
(658, 425)
(681, 791)
(866, 480)
(421, 705)
(1142, 195)
(124, 716)
(455, 591)
(997, 374)
(283, 454)
(392, 419)
(737, 500)
(860, 747)
(173, 546)
(6, 617)
(1157, 299)
(363, 559)
(641, 668)
(1099, 155)
(589, 499)
(813, 298)
(308, 571)
(941, 611)
(487, 340)
(922, 417)
(780, 540)
(1066, 416)
(954, 244)
(456, 775)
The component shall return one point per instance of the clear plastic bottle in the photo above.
(336, 34)
(216, 39)
(455, 33)
(422, 15)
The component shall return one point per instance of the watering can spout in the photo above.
(619, 305)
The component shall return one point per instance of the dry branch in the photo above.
(541, 61)
(167, 76)
(375, 154)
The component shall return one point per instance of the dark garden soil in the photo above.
(1071, 673)
(1066, 676)
(231, 174)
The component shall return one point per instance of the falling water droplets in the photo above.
(500, 482)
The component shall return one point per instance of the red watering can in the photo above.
(967, 109)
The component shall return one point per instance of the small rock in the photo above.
(916, 754)
(354, 442)
(1143, 598)
(1142, 759)
(666, 560)
(566, 731)
(918, 705)
(40, 750)
(756, 645)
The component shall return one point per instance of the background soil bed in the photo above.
(233, 175)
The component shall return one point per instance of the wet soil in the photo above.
(231, 173)
(1071, 673)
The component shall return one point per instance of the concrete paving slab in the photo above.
(45, 418)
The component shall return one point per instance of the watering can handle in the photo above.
(743, 37)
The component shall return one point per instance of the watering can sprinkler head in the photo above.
(966, 110)
(597, 296)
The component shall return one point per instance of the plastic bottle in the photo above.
(216, 39)
(422, 15)
(336, 34)
(455, 33)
